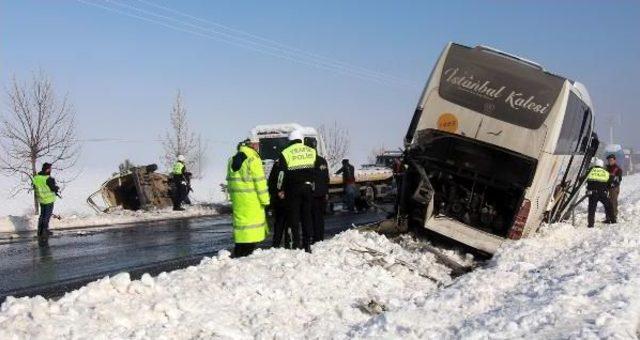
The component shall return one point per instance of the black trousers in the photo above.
(179, 192)
(243, 249)
(599, 196)
(280, 227)
(317, 212)
(46, 210)
(299, 215)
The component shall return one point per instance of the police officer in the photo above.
(598, 182)
(249, 195)
(46, 190)
(320, 193)
(278, 209)
(179, 183)
(297, 162)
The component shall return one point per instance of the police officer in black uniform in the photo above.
(598, 183)
(278, 208)
(320, 193)
(297, 162)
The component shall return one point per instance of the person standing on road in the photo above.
(614, 191)
(278, 208)
(598, 183)
(320, 193)
(179, 183)
(349, 183)
(297, 162)
(46, 190)
(249, 196)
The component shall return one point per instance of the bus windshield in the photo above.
(498, 86)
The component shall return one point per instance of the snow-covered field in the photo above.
(566, 282)
(16, 212)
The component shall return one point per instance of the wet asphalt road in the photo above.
(73, 258)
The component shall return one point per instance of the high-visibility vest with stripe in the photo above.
(598, 174)
(299, 156)
(249, 195)
(44, 194)
(178, 168)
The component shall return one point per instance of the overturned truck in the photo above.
(496, 146)
(134, 189)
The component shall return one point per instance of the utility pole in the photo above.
(614, 119)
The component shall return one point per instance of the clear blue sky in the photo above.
(122, 73)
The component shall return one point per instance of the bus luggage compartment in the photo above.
(461, 179)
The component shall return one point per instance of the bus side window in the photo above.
(573, 123)
(586, 132)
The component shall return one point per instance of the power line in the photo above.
(270, 41)
(255, 46)
(237, 41)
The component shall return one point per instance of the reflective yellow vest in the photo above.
(249, 195)
(44, 194)
(299, 156)
(178, 168)
(598, 174)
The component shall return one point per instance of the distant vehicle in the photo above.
(387, 159)
(619, 152)
(374, 184)
(496, 146)
(134, 189)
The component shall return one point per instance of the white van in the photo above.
(496, 146)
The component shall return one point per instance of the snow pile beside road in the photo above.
(566, 282)
(274, 293)
(17, 224)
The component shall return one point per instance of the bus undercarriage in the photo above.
(459, 178)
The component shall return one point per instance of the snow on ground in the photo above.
(12, 225)
(16, 213)
(566, 282)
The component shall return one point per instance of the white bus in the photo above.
(496, 146)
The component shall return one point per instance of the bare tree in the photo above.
(37, 127)
(337, 143)
(180, 140)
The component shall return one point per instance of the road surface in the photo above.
(74, 258)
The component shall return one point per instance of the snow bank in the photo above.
(566, 282)
(17, 224)
(274, 293)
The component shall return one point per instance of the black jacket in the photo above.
(272, 184)
(321, 181)
(348, 174)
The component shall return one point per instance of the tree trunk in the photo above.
(36, 206)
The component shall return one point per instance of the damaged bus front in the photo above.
(496, 145)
